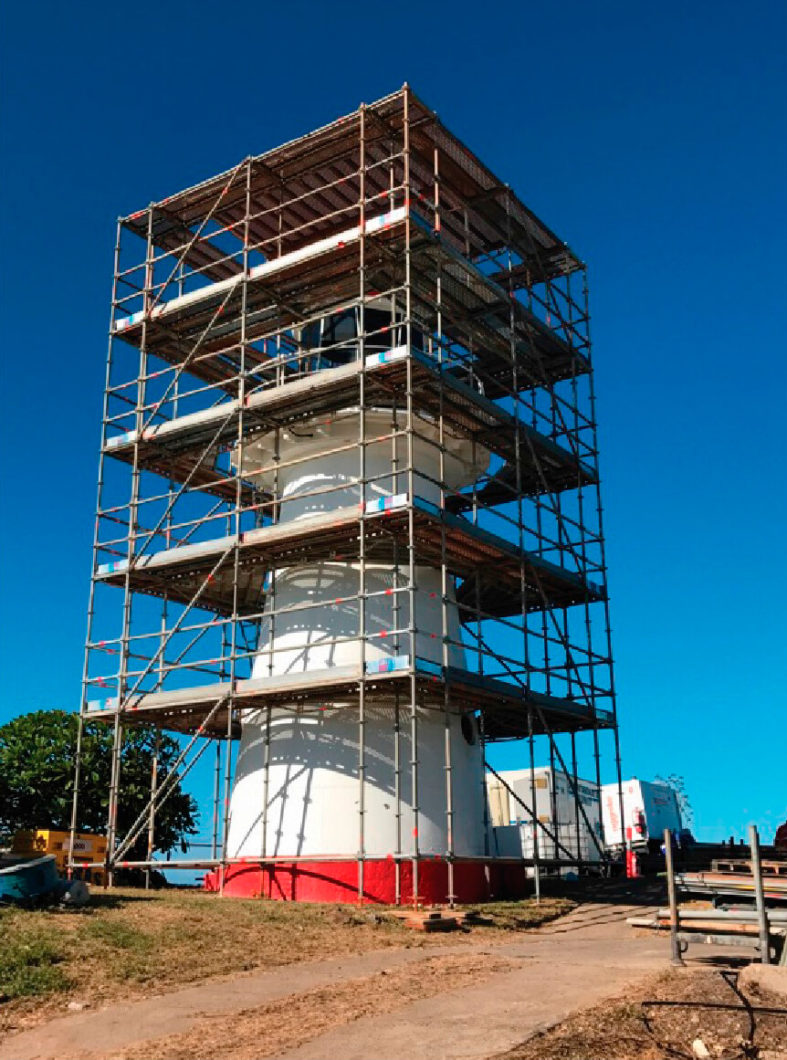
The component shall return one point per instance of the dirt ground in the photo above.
(129, 944)
(180, 976)
(662, 1018)
(463, 996)
(284, 1025)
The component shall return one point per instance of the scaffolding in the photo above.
(218, 292)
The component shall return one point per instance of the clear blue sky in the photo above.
(653, 138)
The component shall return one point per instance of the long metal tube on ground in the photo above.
(777, 916)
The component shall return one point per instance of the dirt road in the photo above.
(460, 1000)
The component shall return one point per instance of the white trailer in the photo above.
(554, 807)
(648, 808)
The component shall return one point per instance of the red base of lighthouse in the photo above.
(337, 881)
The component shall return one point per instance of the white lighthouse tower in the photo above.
(348, 536)
(315, 785)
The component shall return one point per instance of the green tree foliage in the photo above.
(37, 757)
(678, 785)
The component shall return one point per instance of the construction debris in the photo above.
(439, 919)
(757, 925)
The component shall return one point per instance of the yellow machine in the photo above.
(89, 851)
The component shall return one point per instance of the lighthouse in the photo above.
(315, 784)
(348, 535)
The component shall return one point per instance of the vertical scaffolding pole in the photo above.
(139, 420)
(759, 895)
(362, 501)
(238, 528)
(576, 801)
(413, 627)
(96, 538)
(152, 814)
(603, 566)
(536, 867)
(216, 819)
(445, 638)
(674, 914)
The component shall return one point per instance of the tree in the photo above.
(37, 759)
(678, 785)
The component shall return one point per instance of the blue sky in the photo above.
(653, 138)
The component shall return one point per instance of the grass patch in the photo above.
(30, 961)
(524, 915)
(116, 934)
(128, 943)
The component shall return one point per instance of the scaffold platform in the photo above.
(507, 708)
(321, 172)
(497, 568)
(185, 449)
(199, 328)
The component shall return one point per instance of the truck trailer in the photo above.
(568, 835)
(649, 806)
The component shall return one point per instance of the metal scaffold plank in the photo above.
(487, 562)
(502, 703)
(291, 205)
(170, 448)
(286, 290)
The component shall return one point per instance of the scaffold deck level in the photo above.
(486, 562)
(503, 704)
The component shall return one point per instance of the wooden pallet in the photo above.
(437, 919)
(743, 867)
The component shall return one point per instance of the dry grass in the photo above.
(284, 1025)
(661, 1018)
(523, 916)
(129, 944)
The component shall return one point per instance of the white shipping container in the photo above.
(648, 808)
(555, 809)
